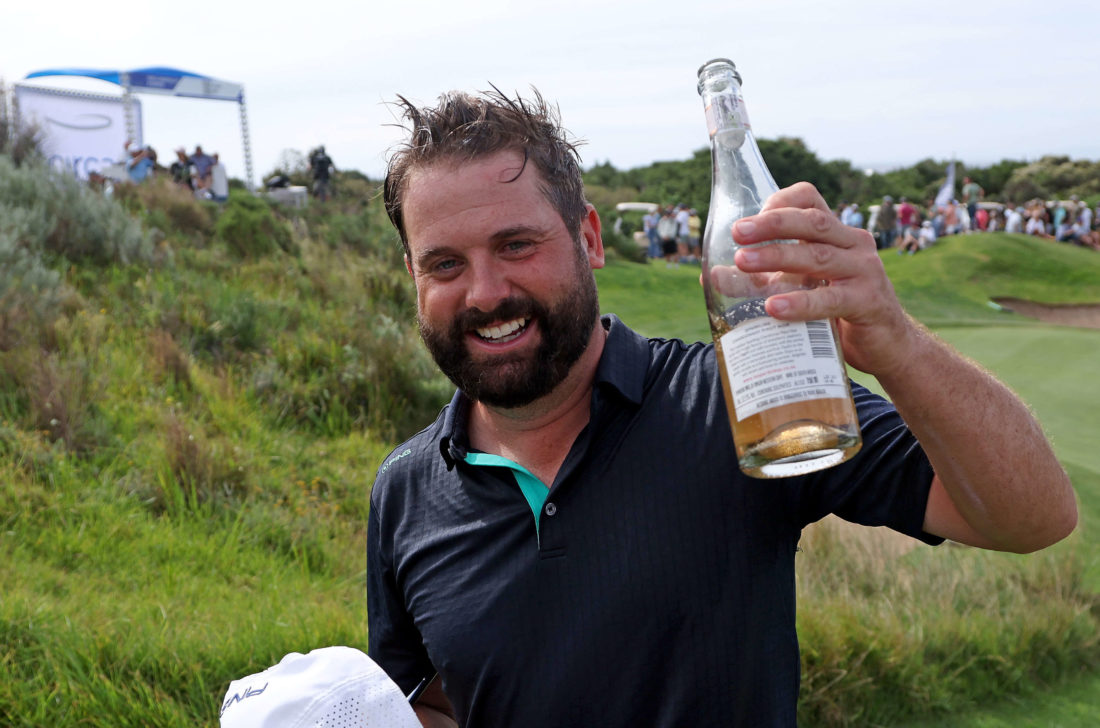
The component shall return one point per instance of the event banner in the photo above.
(81, 132)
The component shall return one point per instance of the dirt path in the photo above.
(1082, 315)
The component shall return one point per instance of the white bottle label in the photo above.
(771, 362)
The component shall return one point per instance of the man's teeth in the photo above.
(503, 331)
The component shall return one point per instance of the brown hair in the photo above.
(464, 127)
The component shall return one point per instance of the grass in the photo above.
(183, 496)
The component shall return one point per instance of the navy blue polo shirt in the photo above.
(651, 583)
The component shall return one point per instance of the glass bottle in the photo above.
(787, 393)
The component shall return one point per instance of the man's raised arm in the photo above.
(998, 484)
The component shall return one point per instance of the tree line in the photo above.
(790, 160)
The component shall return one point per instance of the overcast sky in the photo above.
(878, 83)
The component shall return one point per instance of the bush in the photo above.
(169, 206)
(231, 323)
(21, 142)
(52, 213)
(378, 378)
(249, 228)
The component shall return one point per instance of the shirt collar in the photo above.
(622, 368)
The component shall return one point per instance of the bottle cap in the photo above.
(720, 61)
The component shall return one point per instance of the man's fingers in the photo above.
(824, 302)
(800, 194)
(788, 223)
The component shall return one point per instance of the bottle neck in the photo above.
(725, 110)
(741, 179)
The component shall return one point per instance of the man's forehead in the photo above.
(505, 166)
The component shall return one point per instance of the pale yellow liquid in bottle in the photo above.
(789, 439)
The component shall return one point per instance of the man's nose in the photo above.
(488, 287)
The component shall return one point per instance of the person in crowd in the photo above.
(1058, 215)
(695, 234)
(649, 226)
(322, 168)
(202, 164)
(980, 219)
(1084, 216)
(1084, 236)
(1070, 230)
(996, 222)
(180, 170)
(683, 234)
(855, 217)
(572, 541)
(844, 213)
(1014, 221)
(951, 223)
(666, 231)
(907, 216)
(140, 164)
(938, 224)
(972, 194)
(966, 223)
(927, 235)
(887, 223)
(1036, 223)
(917, 239)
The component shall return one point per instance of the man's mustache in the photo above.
(509, 308)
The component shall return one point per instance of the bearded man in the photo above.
(571, 542)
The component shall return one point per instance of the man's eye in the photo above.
(445, 265)
(516, 246)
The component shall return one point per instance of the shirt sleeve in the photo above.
(394, 642)
(885, 484)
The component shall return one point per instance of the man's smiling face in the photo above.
(506, 300)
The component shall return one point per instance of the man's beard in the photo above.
(516, 379)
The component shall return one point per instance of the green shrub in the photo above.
(19, 141)
(249, 229)
(169, 207)
(28, 288)
(379, 377)
(52, 213)
(231, 323)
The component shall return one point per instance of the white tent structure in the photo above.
(169, 82)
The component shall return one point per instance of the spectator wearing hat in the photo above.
(180, 170)
(139, 162)
(855, 217)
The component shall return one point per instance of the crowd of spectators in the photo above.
(674, 233)
(199, 172)
(909, 227)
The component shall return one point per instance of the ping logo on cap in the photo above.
(249, 692)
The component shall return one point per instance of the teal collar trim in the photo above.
(533, 489)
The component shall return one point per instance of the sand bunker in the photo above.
(1083, 315)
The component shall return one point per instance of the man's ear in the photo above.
(408, 264)
(591, 237)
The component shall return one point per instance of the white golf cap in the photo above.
(332, 687)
